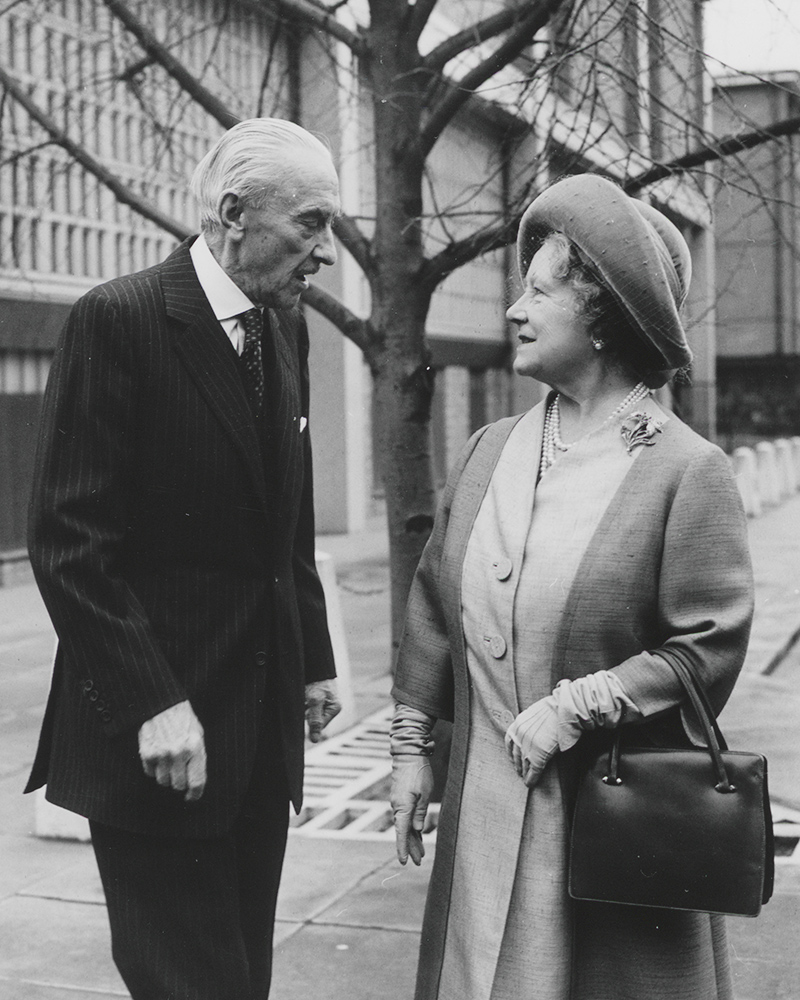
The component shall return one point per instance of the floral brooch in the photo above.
(640, 428)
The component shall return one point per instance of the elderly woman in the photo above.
(578, 548)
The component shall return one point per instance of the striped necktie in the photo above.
(252, 362)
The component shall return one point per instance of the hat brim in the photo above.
(626, 248)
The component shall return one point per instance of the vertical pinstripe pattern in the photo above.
(173, 561)
(191, 918)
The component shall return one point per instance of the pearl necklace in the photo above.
(551, 438)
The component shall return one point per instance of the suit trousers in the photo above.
(191, 918)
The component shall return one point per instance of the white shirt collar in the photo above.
(224, 295)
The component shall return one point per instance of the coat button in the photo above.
(497, 646)
(502, 568)
(94, 695)
(87, 686)
(508, 718)
(261, 658)
(105, 715)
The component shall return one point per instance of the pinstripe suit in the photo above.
(175, 561)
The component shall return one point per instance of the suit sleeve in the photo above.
(705, 592)
(78, 520)
(318, 653)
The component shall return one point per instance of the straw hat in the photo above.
(641, 256)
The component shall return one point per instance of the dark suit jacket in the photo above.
(176, 560)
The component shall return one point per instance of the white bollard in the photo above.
(745, 471)
(786, 474)
(59, 824)
(768, 484)
(795, 443)
(344, 681)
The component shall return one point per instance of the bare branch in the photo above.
(437, 268)
(356, 243)
(420, 15)
(461, 92)
(316, 17)
(476, 34)
(207, 101)
(347, 322)
(714, 151)
(355, 329)
(121, 192)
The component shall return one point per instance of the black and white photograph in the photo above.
(399, 499)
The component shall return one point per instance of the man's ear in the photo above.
(231, 207)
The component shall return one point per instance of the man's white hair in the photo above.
(249, 159)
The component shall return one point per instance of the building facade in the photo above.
(605, 89)
(758, 264)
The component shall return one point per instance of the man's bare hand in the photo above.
(322, 705)
(173, 750)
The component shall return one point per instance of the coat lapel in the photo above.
(208, 356)
(286, 409)
(472, 488)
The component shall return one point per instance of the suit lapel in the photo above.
(285, 407)
(208, 356)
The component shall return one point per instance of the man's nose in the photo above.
(325, 251)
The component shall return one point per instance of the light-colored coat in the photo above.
(667, 572)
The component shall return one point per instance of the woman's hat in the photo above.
(640, 255)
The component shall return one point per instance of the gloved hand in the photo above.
(412, 784)
(322, 705)
(557, 722)
(532, 739)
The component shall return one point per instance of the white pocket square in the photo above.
(303, 424)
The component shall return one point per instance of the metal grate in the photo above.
(786, 826)
(346, 791)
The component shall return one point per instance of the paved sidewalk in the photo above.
(349, 915)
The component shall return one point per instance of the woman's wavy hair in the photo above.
(608, 321)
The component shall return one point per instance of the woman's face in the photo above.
(554, 342)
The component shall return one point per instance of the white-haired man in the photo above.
(172, 537)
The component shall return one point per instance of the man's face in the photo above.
(290, 236)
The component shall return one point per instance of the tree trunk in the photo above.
(403, 379)
(403, 391)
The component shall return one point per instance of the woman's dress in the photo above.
(513, 933)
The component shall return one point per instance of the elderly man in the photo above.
(172, 537)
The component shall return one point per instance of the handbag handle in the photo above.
(715, 741)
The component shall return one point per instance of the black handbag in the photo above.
(680, 829)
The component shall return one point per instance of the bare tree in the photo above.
(423, 65)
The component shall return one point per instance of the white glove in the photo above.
(412, 784)
(596, 701)
(556, 722)
(412, 778)
(532, 739)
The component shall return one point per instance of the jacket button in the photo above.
(87, 686)
(502, 568)
(100, 706)
(507, 718)
(94, 695)
(105, 715)
(497, 646)
(261, 658)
